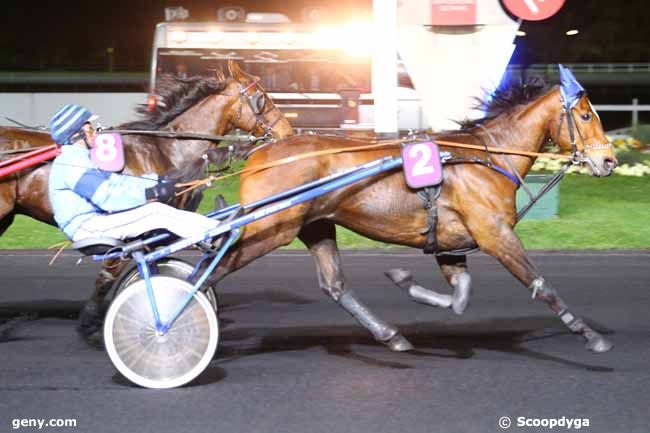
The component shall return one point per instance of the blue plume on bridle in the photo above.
(570, 89)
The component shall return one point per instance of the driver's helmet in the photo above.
(68, 121)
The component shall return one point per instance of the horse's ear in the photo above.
(219, 75)
(241, 76)
(235, 71)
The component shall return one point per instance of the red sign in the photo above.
(453, 12)
(533, 10)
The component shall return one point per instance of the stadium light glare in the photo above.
(178, 36)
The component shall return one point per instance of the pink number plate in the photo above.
(107, 152)
(422, 165)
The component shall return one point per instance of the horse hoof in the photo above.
(89, 322)
(93, 339)
(399, 344)
(599, 344)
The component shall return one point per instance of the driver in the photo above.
(92, 203)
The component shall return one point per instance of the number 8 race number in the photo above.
(105, 145)
(108, 153)
(422, 165)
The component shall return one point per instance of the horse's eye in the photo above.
(586, 117)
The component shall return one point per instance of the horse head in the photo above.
(251, 108)
(577, 128)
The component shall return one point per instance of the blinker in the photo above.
(257, 102)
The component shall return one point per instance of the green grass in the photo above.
(594, 214)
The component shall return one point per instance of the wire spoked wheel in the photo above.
(148, 358)
(170, 267)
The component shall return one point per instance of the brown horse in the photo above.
(208, 106)
(476, 206)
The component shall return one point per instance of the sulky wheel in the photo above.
(169, 267)
(160, 361)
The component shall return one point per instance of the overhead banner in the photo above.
(458, 66)
(453, 12)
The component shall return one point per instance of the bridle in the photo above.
(577, 156)
(257, 102)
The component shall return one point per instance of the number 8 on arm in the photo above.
(107, 152)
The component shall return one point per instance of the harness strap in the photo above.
(519, 181)
(485, 163)
(429, 196)
(509, 175)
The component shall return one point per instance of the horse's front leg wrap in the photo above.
(544, 292)
(381, 330)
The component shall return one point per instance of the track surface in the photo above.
(290, 360)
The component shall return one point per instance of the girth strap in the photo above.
(429, 197)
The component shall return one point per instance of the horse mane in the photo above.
(176, 95)
(505, 98)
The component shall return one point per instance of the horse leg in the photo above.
(5, 221)
(403, 278)
(498, 239)
(454, 268)
(91, 315)
(320, 238)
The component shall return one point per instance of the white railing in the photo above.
(634, 108)
(586, 67)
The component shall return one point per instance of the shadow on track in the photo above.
(460, 341)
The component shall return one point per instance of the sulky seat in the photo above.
(91, 246)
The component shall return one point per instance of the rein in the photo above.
(24, 126)
(189, 186)
(185, 135)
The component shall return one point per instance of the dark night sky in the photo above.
(74, 35)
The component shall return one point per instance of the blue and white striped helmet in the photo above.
(68, 121)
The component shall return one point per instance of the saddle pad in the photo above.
(107, 152)
(422, 166)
